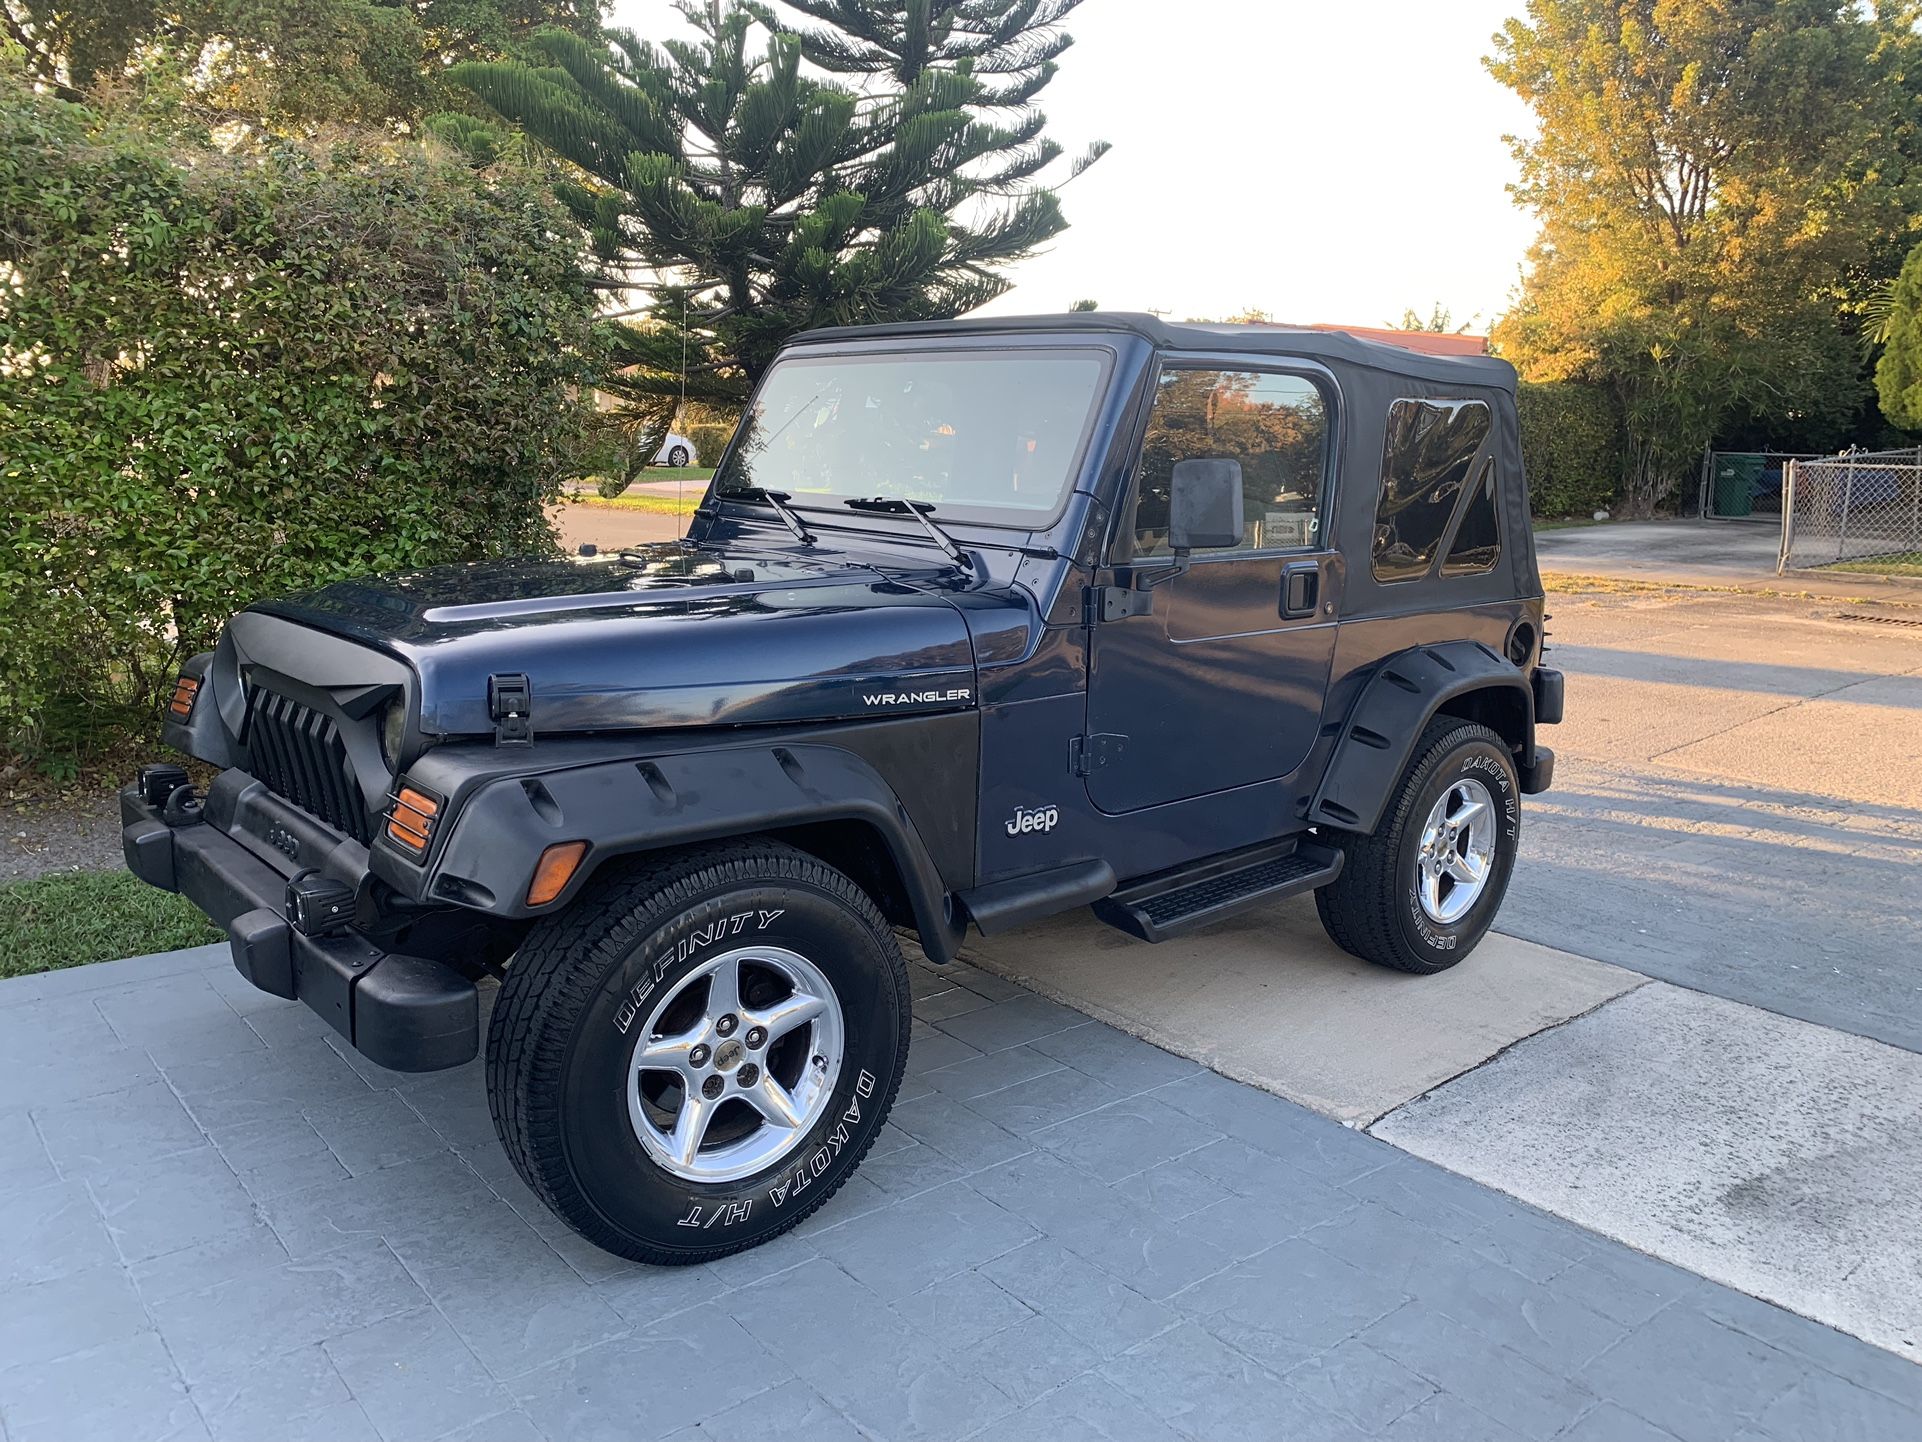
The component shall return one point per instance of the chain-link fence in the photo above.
(1859, 511)
(1745, 485)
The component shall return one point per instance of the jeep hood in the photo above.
(672, 634)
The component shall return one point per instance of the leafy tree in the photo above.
(1898, 375)
(1703, 174)
(1082, 305)
(742, 199)
(227, 375)
(290, 64)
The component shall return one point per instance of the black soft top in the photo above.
(1373, 377)
(1268, 340)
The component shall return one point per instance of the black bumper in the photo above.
(407, 1013)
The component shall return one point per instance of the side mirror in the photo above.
(1204, 506)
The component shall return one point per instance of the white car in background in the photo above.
(676, 450)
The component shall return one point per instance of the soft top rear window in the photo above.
(1430, 446)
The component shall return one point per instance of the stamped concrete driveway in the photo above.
(219, 1225)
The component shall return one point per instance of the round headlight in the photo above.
(393, 733)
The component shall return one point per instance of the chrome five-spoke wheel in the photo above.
(1457, 850)
(736, 1064)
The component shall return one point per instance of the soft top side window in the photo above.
(1478, 535)
(1430, 448)
(1274, 425)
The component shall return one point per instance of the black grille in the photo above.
(298, 752)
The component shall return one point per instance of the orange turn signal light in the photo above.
(554, 870)
(185, 690)
(411, 822)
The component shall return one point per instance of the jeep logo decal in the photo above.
(1033, 818)
(915, 698)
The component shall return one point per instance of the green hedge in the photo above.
(225, 376)
(1572, 446)
(710, 439)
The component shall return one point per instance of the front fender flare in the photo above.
(673, 799)
(1379, 735)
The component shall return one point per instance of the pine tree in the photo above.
(744, 200)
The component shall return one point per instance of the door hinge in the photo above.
(1117, 603)
(510, 705)
(1087, 754)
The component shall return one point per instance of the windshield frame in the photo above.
(948, 514)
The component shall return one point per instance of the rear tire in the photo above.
(1408, 896)
(678, 456)
(696, 1054)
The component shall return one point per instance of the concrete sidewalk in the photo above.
(220, 1225)
(1268, 999)
(1782, 1158)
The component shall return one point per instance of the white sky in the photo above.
(1320, 161)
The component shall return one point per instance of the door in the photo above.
(1219, 681)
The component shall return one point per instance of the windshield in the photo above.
(990, 434)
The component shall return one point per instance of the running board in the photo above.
(1158, 907)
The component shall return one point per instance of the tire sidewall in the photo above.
(612, 1169)
(1432, 943)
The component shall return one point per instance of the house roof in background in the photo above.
(1427, 341)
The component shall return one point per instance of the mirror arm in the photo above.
(1136, 597)
(1140, 580)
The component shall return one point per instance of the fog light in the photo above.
(554, 870)
(159, 781)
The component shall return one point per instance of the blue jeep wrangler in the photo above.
(977, 622)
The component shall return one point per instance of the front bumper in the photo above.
(407, 1013)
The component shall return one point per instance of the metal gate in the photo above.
(1746, 485)
(1860, 511)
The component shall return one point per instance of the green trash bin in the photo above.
(1735, 478)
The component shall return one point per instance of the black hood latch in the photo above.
(510, 705)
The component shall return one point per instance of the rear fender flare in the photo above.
(1379, 735)
(624, 807)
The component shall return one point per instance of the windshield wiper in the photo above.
(885, 505)
(777, 500)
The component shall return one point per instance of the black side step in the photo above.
(1158, 907)
(1003, 905)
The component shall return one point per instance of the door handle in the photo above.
(1300, 588)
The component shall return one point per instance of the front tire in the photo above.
(678, 456)
(698, 1053)
(1420, 892)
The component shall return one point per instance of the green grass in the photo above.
(653, 505)
(1901, 563)
(652, 502)
(703, 474)
(74, 917)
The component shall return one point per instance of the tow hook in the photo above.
(167, 789)
(184, 807)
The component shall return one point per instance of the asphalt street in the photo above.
(1737, 804)
(1726, 554)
